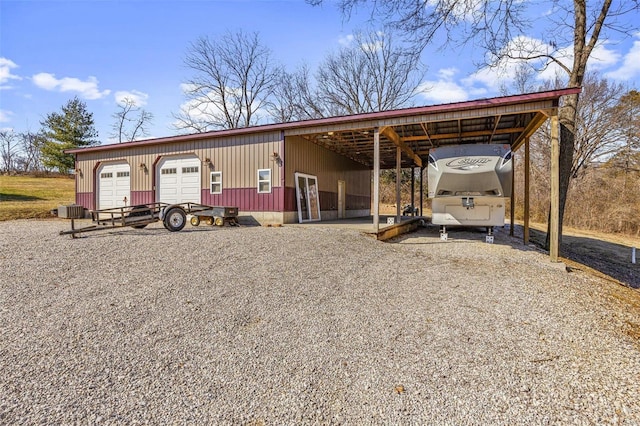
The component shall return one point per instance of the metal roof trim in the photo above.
(455, 106)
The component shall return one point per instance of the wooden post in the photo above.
(376, 180)
(398, 183)
(421, 192)
(555, 190)
(527, 159)
(512, 213)
(413, 191)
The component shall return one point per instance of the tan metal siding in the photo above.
(238, 157)
(306, 157)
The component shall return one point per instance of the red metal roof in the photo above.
(478, 104)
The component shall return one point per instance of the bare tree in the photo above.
(500, 28)
(596, 139)
(373, 75)
(31, 145)
(8, 150)
(296, 97)
(131, 121)
(628, 126)
(234, 78)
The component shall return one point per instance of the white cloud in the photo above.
(448, 73)
(630, 65)
(5, 116)
(462, 10)
(490, 79)
(601, 57)
(87, 89)
(448, 87)
(444, 89)
(139, 98)
(372, 47)
(375, 42)
(346, 40)
(6, 65)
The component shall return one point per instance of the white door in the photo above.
(179, 180)
(114, 185)
(308, 197)
(341, 199)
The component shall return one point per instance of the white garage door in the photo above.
(114, 185)
(179, 180)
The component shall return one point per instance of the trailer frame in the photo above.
(173, 216)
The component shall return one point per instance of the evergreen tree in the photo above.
(72, 128)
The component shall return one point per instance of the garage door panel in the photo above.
(169, 181)
(190, 191)
(114, 185)
(179, 180)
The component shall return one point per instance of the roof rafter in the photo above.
(397, 141)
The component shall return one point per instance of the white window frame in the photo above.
(211, 182)
(264, 181)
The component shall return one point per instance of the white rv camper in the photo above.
(469, 185)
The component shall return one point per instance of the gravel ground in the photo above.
(313, 325)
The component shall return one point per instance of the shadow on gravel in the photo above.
(608, 258)
(611, 259)
(149, 231)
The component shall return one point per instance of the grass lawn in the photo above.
(26, 197)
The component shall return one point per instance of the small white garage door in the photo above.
(114, 185)
(179, 180)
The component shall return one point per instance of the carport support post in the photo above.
(513, 196)
(554, 224)
(376, 180)
(413, 191)
(398, 182)
(421, 213)
(525, 235)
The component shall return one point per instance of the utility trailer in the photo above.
(173, 216)
(469, 185)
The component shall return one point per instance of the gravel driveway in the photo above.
(297, 325)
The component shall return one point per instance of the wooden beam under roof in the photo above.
(426, 132)
(495, 127)
(534, 124)
(471, 134)
(397, 141)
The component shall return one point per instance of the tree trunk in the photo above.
(567, 119)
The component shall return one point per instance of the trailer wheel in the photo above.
(195, 220)
(219, 221)
(175, 219)
(209, 221)
(137, 211)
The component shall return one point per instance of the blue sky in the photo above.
(101, 51)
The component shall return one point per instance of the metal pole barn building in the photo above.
(315, 169)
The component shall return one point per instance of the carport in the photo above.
(402, 139)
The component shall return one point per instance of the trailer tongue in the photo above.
(173, 216)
